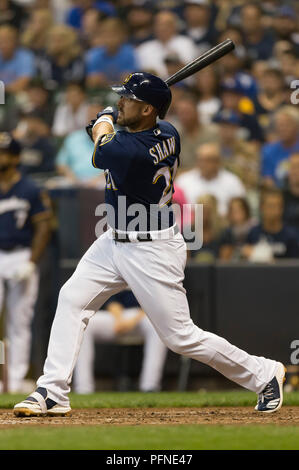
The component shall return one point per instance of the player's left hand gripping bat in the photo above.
(202, 61)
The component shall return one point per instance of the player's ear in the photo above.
(148, 109)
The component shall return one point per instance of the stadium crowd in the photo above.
(238, 119)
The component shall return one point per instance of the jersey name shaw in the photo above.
(162, 150)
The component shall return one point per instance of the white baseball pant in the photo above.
(101, 328)
(154, 271)
(18, 298)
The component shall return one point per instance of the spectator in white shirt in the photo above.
(71, 115)
(208, 177)
(151, 54)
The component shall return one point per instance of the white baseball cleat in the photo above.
(271, 398)
(38, 404)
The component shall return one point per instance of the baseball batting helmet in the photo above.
(143, 86)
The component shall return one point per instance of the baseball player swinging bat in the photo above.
(148, 255)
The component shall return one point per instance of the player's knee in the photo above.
(184, 341)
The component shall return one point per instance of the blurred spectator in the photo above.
(74, 157)
(275, 154)
(90, 34)
(121, 319)
(72, 114)
(114, 60)
(212, 225)
(289, 65)
(192, 132)
(285, 25)
(151, 54)
(36, 32)
(62, 61)
(38, 153)
(235, 235)
(258, 41)
(238, 156)
(11, 13)
(207, 86)
(140, 20)
(75, 14)
(291, 193)
(272, 232)
(16, 63)
(199, 26)
(38, 101)
(234, 99)
(233, 65)
(271, 97)
(208, 177)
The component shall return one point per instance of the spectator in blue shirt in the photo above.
(73, 159)
(279, 237)
(75, 14)
(114, 60)
(275, 154)
(16, 63)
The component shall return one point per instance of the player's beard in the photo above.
(131, 122)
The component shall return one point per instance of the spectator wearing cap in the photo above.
(271, 235)
(199, 27)
(208, 177)
(239, 156)
(62, 61)
(151, 54)
(73, 159)
(75, 14)
(291, 193)
(114, 59)
(258, 41)
(192, 132)
(16, 63)
(234, 98)
(275, 154)
(72, 114)
(140, 19)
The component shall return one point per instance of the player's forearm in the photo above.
(101, 129)
(41, 237)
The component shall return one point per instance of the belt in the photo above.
(132, 237)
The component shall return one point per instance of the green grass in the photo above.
(163, 399)
(152, 438)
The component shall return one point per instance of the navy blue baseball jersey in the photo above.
(19, 207)
(140, 167)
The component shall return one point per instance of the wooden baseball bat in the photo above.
(202, 61)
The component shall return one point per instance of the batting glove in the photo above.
(107, 111)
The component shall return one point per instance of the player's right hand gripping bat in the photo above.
(202, 61)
